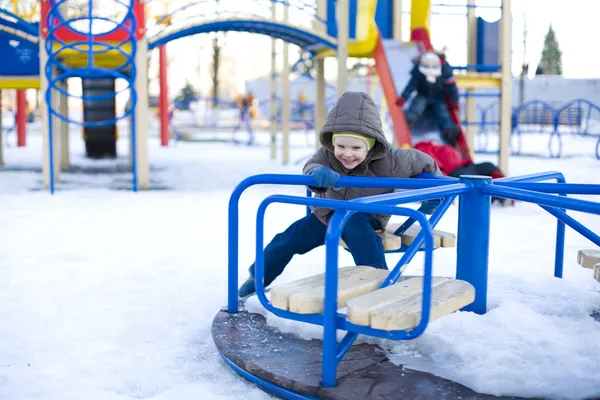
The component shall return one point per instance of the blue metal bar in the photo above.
(559, 256)
(418, 194)
(318, 319)
(418, 242)
(332, 239)
(479, 67)
(539, 176)
(299, 180)
(394, 275)
(465, 6)
(474, 239)
(557, 188)
(271, 387)
(475, 94)
(573, 223)
(127, 71)
(543, 199)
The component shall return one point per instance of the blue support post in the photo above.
(474, 239)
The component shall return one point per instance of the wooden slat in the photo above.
(441, 238)
(588, 258)
(398, 307)
(306, 296)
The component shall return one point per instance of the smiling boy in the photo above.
(353, 145)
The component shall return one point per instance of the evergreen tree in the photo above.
(551, 62)
(186, 95)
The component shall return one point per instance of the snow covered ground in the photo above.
(106, 294)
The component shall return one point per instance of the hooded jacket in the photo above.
(356, 112)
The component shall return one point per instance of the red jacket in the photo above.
(446, 157)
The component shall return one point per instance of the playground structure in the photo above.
(571, 119)
(20, 66)
(365, 28)
(378, 303)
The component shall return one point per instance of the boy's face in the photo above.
(350, 151)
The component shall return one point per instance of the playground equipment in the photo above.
(382, 304)
(20, 67)
(80, 46)
(557, 121)
(366, 28)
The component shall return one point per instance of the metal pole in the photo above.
(320, 106)
(506, 86)
(163, 106)
(21, 118)
(470, 103)
(397, 20)
(343, 22)
(273, 97)
(474, 239)
(46, 120)
(1, 133)
(64, 127)
(140, 115)
(286, 112)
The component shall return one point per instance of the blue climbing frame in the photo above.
(474, 194)
(90, 48)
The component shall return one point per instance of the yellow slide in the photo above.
(366, 32)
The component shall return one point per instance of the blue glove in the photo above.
(325, 177)
(429, 206)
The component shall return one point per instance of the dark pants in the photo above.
(439, 109)
(309, 233)
(484, 168)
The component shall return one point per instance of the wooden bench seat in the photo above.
(307, 296)
(588, 258)
(398, 307)
(392, 242)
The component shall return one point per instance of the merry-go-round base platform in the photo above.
(290, 367)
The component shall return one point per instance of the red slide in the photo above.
(397, 62)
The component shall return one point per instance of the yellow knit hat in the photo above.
(368, 140)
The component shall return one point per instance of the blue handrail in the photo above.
(473, 238)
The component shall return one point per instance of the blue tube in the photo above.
(543, 199)
(573, 223)
(299, 180)
(332, 239)
(394, 275)
(334, 204)
(539, 176)
(474, 239)
(558, 188)
(54, 46)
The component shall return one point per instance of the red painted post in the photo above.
(21, 118)
(163, 104)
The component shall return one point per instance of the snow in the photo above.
(109, 294)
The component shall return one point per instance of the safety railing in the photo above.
(475, 193)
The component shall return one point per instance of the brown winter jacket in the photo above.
(357, 112)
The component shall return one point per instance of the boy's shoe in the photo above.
(248, 288)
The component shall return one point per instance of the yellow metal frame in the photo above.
(19, 82)
(26, 16)
(475, 81)
(420, 13)
(78, 57)
(366, 32)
